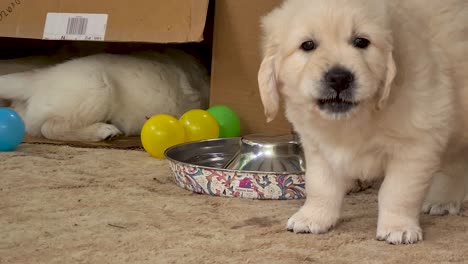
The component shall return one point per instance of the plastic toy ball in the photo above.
(12, 129)
(228, 121)
(199, 125)
(161, 132)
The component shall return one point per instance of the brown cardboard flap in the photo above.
(158, 21)
(116, 143)
(236, 60)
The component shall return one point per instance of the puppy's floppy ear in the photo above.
(390, 76)
(273, 31)
(268, 85)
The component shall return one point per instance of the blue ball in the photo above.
(12, 129)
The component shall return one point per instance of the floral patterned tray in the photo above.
(198, 167)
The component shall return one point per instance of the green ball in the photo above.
(228, 121)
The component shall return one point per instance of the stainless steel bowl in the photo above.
(269, 153)
(201, 168)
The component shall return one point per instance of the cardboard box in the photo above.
(236, 60)
(236, 50)
(156, 21)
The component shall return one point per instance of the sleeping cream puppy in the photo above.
(101, 96)
(374, 89)
(8, 66)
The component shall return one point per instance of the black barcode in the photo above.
(77, 26)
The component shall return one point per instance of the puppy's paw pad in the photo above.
(302, 222)
(397, 236)
(452, 208)
(107, 131)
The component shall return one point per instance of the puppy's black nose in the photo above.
(339, 79)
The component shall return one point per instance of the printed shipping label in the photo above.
(73, 26)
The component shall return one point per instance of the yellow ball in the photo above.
(161, 132)
(199, 125)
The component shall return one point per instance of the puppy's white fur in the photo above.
(411, 125)
(8, 66)
(101, 96)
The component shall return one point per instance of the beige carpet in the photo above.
(69, 205)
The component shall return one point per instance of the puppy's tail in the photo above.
(17, 86)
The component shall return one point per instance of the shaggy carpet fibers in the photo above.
(60, 204)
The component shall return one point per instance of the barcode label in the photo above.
(77, 26)
(72, 26)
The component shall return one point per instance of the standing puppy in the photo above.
(101, 96)
(373, 88)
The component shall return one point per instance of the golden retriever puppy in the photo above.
(373, 88)
(100, 96)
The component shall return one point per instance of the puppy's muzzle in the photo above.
(338, 91)
(339, 79)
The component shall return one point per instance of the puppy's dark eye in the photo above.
(308, 45)
(361, 43)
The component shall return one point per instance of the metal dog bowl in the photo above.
(224, 167)
(268, 153)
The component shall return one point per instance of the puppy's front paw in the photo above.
(396, 234)
(107, 132)
(311, 220)
(441, 208)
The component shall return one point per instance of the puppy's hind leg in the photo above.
(449, 186)
(60, 129)
(79, 109)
